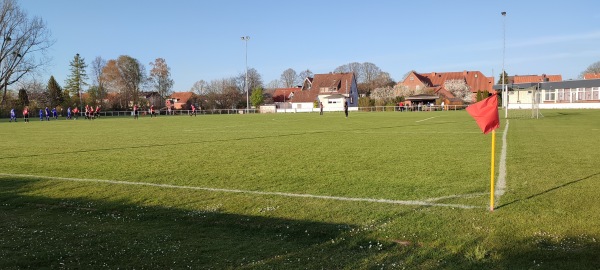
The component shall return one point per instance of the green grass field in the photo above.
(382, 190)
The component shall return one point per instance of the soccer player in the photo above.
(69, 113)
(193, 110)
(41, 115)
(346, 108)
(13, 115)
(151, 111)
(75, 112)
(97, 113)
(135, 111)
(47, 114)
(321, 108)
(54, 113)
(26, 115)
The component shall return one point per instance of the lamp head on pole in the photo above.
(245, 38)
(503, 13)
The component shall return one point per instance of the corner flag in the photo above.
(485, 113)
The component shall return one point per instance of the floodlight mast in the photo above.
(504, 89)
(246, 38)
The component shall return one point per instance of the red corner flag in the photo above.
(485, 113)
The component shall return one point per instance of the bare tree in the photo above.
(305, 74)
(355, 67)
(383, 80)
(24, 44)
(37, 94)
(98, 65)
(223, 94)
(200, 87)
(593, 68)
(370, 72)
(273, 84)
(160, 77)
(289, 77)
(133, 75)
(254, 81)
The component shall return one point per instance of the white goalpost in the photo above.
(524, 103)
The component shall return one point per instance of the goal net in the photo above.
(524, 103)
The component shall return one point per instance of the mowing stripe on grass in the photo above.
(410, 202)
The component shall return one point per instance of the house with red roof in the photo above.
(591, 76)
(433, 83)
(332, 90)
(547, 93)
(180, 100)
(518, 96)
(516, 79)
(282, 96)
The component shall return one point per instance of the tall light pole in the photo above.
(246, 38)
(504, 91)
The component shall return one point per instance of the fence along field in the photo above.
(437, 157)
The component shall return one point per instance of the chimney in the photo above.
(465, 73)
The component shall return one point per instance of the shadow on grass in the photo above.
(536, 252)
(548, 190)
(563, 114)
(44, 232)
(38, 232)
(212, 141)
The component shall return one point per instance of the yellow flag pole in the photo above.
(492, 171)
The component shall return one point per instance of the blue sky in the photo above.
(200, 40)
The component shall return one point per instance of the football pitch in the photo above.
(378, 190)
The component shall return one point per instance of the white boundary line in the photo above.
(473, 195)
(399, 202)
(501, 184)
(426, 119)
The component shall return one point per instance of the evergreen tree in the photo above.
(55, 92)
(23, 99)
(257, 97)
(77, 78)
(479, 96)
(67, 101)
(505, 78)
(485, 94)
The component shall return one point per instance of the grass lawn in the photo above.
(380, 190)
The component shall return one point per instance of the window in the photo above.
(564, 95)
(596, 93)
(328, 89)
(550, 95)
(580, 94)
